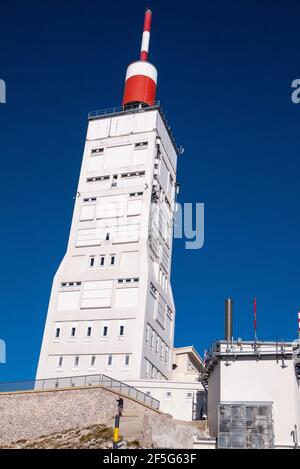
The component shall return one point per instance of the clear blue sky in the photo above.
(225, 70)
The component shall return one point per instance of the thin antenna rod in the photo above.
(299, 326)
(146, 36)
(255, 321)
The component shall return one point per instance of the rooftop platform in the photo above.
(135, 109)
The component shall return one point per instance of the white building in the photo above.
(111, 308)
(183, 396)
(253, 395)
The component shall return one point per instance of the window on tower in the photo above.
(127, 359)
(89, 332)
(128, 280)
(92, 261)
(157, 345)
(96, 151)
(122, 330)
(97, 179)
(73, 285)
(140, 145)
(114, 180)
(112, 259)
(147, 333)
(73, 331)
(93, 360)
(135, 194)
(105, 331)
(152, 339)
(102, 261)
(57, 333)
(109, 360)
(60, 362)
(135, 174)
(76, 362)
(166, 355)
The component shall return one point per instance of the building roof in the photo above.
(190, 350)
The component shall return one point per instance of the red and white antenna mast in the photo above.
(146, 36)
(141, 76)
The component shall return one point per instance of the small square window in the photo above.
(152, 340)
(112, 259)
(93, 360)
(114, 180)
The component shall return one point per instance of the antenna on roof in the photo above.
(255, 320)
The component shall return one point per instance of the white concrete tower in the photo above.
(111, 309)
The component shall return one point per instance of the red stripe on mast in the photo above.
(147, 22)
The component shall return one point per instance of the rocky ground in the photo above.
(93, 437)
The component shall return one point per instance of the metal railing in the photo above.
(80, 381)
(122, 109)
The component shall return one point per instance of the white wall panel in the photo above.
(96, 303)
(152, 305)
(161, 311)
(97, 294)
(77, 264)
(125, 234)
(87, 212)
(139, 156)
(146, 122)
(68, 300)
(90, 237)
(168, 327)
(126, 297)
(165, 260)
(110, 207)
(131, 181)
(129, 261)
(134, 207)
(164, 175)
(122, 125)
(98, 129)
(167, 144)
(117, 157)
(96, 163)
(98, 284)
